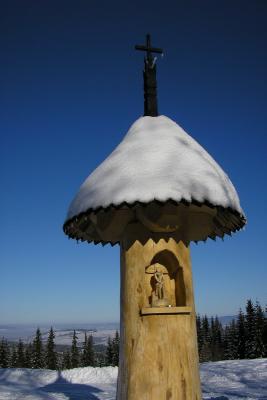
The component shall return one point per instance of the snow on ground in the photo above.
(234, 380)
(75, 384)
(223, 380)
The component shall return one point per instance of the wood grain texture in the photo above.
(158, 353)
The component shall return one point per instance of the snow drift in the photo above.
(223, 380)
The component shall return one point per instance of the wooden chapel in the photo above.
(158, 191)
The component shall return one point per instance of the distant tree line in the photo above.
(39, 355)
(244, 337)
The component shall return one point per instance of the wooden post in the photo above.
(158, 348)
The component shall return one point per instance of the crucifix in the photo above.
(150, 80)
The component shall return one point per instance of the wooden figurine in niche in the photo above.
(159, 294)
(159, 298)
(174, 287)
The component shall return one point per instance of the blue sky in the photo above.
(71, 88)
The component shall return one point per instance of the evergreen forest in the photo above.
(245, 337)
(40, 355)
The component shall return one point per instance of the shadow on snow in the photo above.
(73, 391)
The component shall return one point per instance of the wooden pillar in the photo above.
(158, 351)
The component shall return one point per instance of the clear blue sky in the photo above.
(71, 86)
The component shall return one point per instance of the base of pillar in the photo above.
(158, 346)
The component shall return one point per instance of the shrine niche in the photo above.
(164, 282)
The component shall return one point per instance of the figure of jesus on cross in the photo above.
(159, 284)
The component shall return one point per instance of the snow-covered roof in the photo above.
(156, 160)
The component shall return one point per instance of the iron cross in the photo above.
(149, 50)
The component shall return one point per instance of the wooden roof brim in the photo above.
(225, 222)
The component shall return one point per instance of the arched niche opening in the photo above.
(164, 281)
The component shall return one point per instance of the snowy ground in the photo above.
(75, 384)
(224, 380)
(234, 380)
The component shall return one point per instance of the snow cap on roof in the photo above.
(156, 160)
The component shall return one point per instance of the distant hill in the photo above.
(64, 336)
(227, 319)
(64, 332)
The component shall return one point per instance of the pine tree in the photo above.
(199, 334)
(83, 356)
(245, 338)
(37, 351)
(13, 357)
(109, 352)
(259, 331)
(241, 333)
(265, 332)
(90, 351)
(212, 339)
(250, 330)
(20, 355)
(66, 364)
(231, 342)
(51, 355)
(116, 349)
(216, 339)
(88, 356)
(100, 359)
(74, 352)
(205, 354)
(28, 356)
(4, 354)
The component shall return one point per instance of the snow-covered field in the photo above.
(63, 333)
(224, 380)
(65, 336)
(234, 380)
